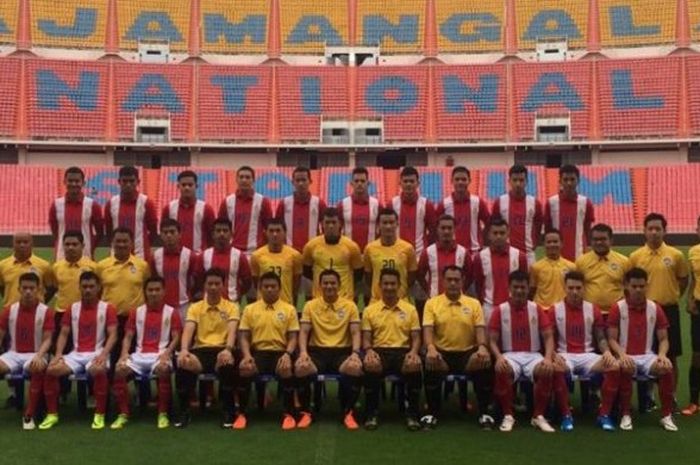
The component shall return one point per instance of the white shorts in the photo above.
(80, 362)
(17, 362)
(580, 364)
(143, 364)
(644, 363)
(523, 363)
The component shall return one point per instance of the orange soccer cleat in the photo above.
(690, 410)
(350, 422)
(305, 420)
(241, 422)
(288, 422)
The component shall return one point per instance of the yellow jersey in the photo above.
(287, 264)
(604, 277)
(269, 324)
(344, 257)
(454, 322)
(665, 266)
(330, 322)
(401, 257)
(391, 327)
(547, 276)
(694, 259)
(122, 282)
(11, 269)
(212, 322)
(68, 280)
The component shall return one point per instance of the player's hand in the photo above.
(560, 363)
(183, 358)
(627, 363)
(225, 357)
(38, 363)
(122, 362)
(547, 366)
(56, 360)
(412, 359)
(664, 363)
(165, 358)
(100, 361)
(609, 359)
(502, 365)
(432, 358)
(483, 357)
(284, 363)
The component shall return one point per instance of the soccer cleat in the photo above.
(567, 424)
(288, 422)
(541, 423)
(349, 421)
(120, 422)
(371, 423)
(98, 421)
(690, 410)
(227, 420)
(429, 422)
(486, 422)
(49, 422)
(507, 424)
(183, 421)
(28, 424)
(241, 422)
(163, 421)
(626, 423)
(606, 423)
(305, 420)
(412, 424)
(668, 424)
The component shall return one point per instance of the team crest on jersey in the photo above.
(223, 315)
(133, 269)
(280, 316)
(341, 313)
(668, 261)
(466, 310)
(614, 267)
(402, 315)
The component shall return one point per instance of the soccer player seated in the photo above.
(211, 323)
(92, 324)
(29, 326)
(579, 329)
(391, 341)
(517, 328)
(156, 327)
(454, 336)
(268, 340)
(329, 343)
(633, 323)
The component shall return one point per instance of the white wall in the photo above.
(65, 159)
(646, 158)
(233, 160)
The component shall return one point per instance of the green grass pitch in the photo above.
(457, 440)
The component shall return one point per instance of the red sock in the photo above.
(561, 393)
(611, 383)
(100, 386)
(51, 394)
(503, 390)
(121, 392)
(626, 393)
(164, 393)
(36, 385)
(543, 391)
(666, 393)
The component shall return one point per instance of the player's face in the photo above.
(22, 244)
(73, 248)
(446, 231)
(155, 293)
(636, 290)
(409, 184)
(270, 290)
(574, 291)
(453, 282)
(275, 234)
(600, 242)
(331, 227)
(89, 290)
(245, 180)
(28, 291)
(74, 183)
(187, 187)
(552, 244)
(213, 286)
(170, 236)
(387, 225)
(519, 291)
(654, 232)
(518, 182)
(128, 184)
(498, 236)
(360, 184)
(121, 244)
(302, 182)
(460, 182)
(569, 183)
(222, 235)
(390, 287)
(329, 287)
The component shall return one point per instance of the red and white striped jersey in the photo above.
(470, 215)
(153, 327)
(433, 261)
(519, 327)
(572, 217)
(359, 219)
(233, 263)
(416, 219)
(179, 270)
(139, 216)
(248, 214)
(302, 217)
(575, 327)
(89, 325)
(490, 272)
(26, 327)
(84, 216)
(196, 222)
(524, 217)
(637, 326)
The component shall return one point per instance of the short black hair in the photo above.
(153, 279)
(187, 174)
(387, 212)
(602, 227)
(517, 169)
(74, 170)
(389, 272)
(655, 217)
(329, 272)
(575, 276)
(360, 170)
(331, 212)
(446, 217)
(552, 231)
(30, 276)
(569, 169)
(128, 170)
(123, 230)
(170, 223)
(245, 168)
(409, 171)
(519, 276)
(301, 169)
(270, 276)
(276, 222)
(217, 272)
(461, 169)
(74, 233)
(89, 276)
(452, 268)
(222, 221)
(636, 273)
(497, 221)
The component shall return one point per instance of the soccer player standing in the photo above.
(389, 252)
(454, 336)
(517, 328)
(134, 211)
(547, 274)
(416, 213)
(438, 256)
(523, 213)
(29, 326)
(632, 324)
(301, 211)
(391, 341)
(693, 309)
(233, 262)
(570, 213)
(248, 212)
(76, 212)
(359, 211)
(195, 216)
(469, 211)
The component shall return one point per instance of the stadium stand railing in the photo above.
(234, 27)
(72, 24)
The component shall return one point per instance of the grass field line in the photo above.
(326, 443)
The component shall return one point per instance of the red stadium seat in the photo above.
(678, 198)
(28, 190)
(9, 75)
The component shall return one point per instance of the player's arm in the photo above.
(603, 346)
(225, 355)
(151, 220)
(422, 275)
(126, 344)
(61, 341)
(662, 337)
(501, 364)
(548, 338)
(187, 334)
(175, 335)
(254, 270)
(368, 271)
(296, 281)
(613, 342)
(682, 274)
(356, 337)
(304, 332)
(533, 283)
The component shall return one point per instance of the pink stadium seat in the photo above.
(678, 198)
(30, 201)
(693, 70)
(9, 76)
(610, 190)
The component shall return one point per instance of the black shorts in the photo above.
(695, 329)
(207, 358)
(266, 361)
(675, 342)
(457, 361)
(392, 360)
(328, 360)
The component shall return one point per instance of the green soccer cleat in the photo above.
(49, 422)
(163, 421)
(98, 421)
(120, 422)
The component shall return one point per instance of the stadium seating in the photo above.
(552, 19)
(69, 23)
(610, 190)
(154, 20)
(398, 94)
(9, 90)
(693, 70)
(29, 191)
(8, 21)
(234, 103)
(636, 99)
(625, 23)
(309, 95)
(694, 17)
(470, 27)
(307, 27)
(67, 99)
(678, 197)
(396, 26)
(552, 89)
(233, 27)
